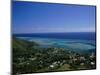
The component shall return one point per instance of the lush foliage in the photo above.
(29, 58)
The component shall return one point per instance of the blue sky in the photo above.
(34, 17)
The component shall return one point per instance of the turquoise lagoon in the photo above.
(67, 44)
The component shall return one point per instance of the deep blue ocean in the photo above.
(70, 35)
(77, 41)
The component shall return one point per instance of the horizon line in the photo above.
(53, 32)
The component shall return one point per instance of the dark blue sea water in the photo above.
(70, 35)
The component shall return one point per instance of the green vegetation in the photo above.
(29, 58)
